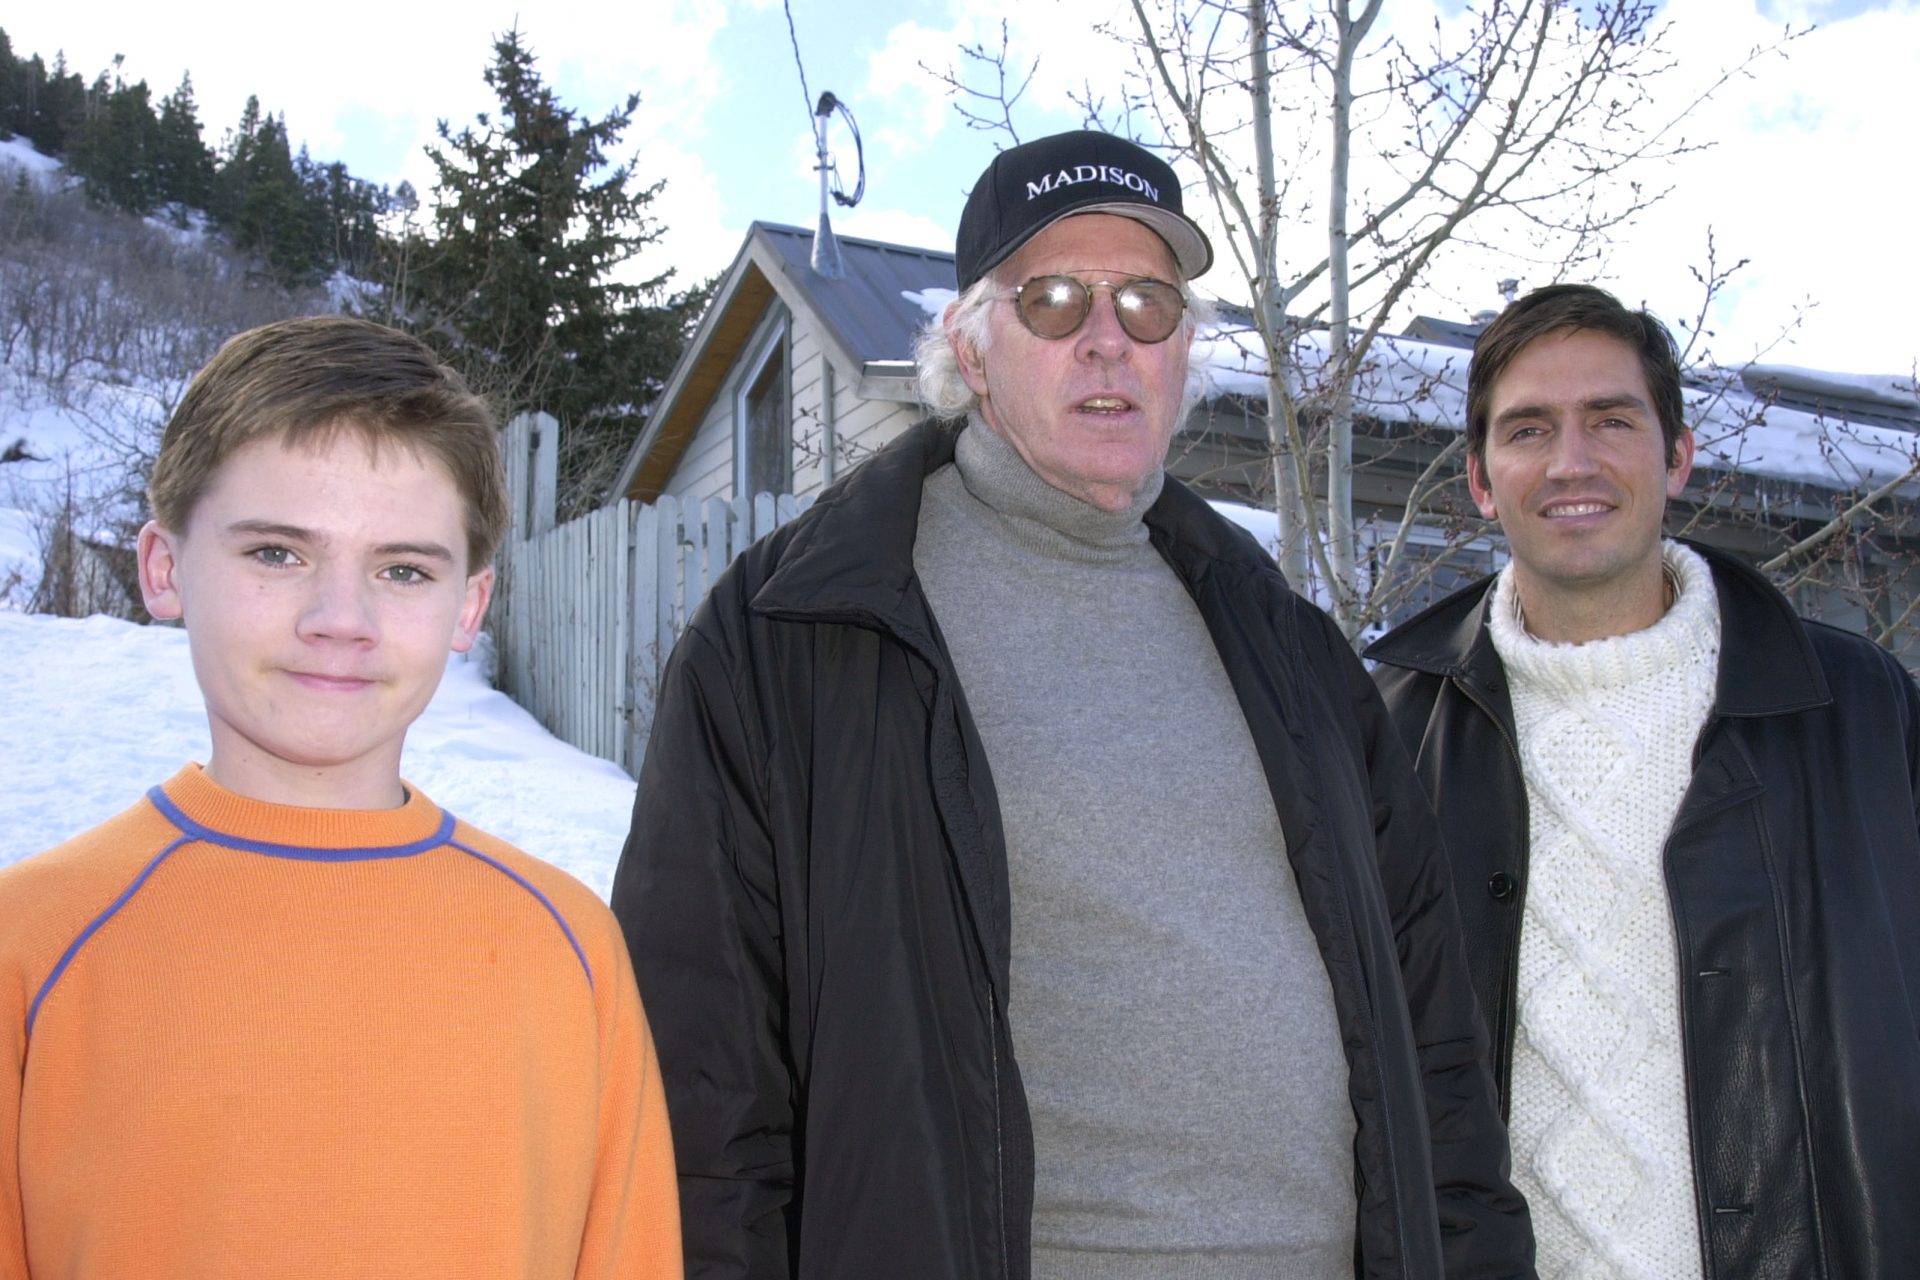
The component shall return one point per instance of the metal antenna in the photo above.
(826, 246)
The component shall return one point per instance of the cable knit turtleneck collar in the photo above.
(1689, 632)
(1040, 516)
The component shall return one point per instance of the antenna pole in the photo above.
(826, 248)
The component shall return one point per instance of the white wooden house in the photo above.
(790, 376)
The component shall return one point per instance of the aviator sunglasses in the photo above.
(1056, 306)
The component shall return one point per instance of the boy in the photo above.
(285, 1017)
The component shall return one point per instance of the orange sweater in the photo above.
(244, 1039)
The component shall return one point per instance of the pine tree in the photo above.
(116, 148)
(57, 100)
(183, 163)
(10, 76)
(517, 281)
(260, 201)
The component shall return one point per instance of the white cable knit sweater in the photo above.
(1599, 1120)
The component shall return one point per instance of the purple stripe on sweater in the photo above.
(194, 831)
(552, 910)
(73, 948)
(171, 812)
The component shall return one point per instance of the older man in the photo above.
(1682, 823)
(1023, 881)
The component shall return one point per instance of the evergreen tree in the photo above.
(56, 107)
(517, 281)
(183, 163)
(10, 74)
(260, 202)
(116, 148)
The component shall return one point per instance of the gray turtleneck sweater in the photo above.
(1173, 1020)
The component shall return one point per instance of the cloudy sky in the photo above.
(1813, 176)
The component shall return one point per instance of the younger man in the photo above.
(1682, 826)
(285, 1017)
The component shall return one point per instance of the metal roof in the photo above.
(867, 309)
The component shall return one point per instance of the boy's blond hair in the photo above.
(302, 380)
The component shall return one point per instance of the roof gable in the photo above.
(870, 315)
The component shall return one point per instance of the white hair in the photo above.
(937, 361)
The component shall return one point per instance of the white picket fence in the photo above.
(586, 612)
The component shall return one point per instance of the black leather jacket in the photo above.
(815, 894)
(1793, 870)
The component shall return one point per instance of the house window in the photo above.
(763, 414)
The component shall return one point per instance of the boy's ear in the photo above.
(473, 610)
(157, 556)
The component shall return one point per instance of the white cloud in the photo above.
(895, 227)
(1070, 56)
(1813, 179)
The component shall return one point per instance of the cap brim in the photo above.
(1191, 252)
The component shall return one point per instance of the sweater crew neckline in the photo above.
(204, 810)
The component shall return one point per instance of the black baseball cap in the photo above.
(1029, 187)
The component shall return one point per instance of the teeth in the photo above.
(1577, 509)
(1103, 402)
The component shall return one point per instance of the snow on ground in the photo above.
(63, 457)
(17, 153)
(98, 710)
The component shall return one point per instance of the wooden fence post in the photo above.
(545, 497)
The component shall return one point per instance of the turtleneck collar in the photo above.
(1688, 632)
(1039, 515)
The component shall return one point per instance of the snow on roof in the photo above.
(1742, 420)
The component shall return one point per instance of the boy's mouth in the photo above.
(326, 683)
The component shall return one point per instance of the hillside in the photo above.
(103, 319)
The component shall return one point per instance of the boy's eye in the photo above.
(274, 557)
(405, 574)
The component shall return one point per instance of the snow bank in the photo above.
(97, 710)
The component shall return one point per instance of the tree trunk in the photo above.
(1270, 313)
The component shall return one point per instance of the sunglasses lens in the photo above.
(1053, 306)
(1150, 310)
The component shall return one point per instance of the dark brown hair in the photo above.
(301, 380)
(1559, 307)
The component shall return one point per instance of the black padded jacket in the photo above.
(815, 895)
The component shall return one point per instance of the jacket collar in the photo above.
(851, 554)
(1767, 663)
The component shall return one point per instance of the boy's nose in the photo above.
(339, 610)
